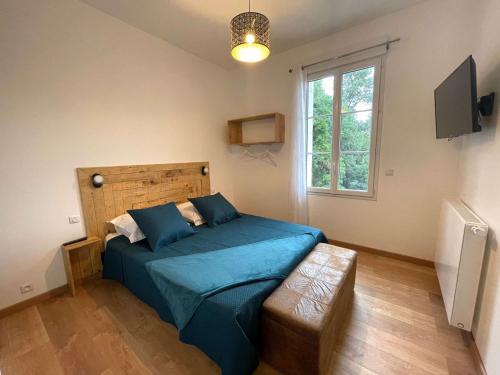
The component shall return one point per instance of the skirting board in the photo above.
(33, 301)
(406, 258)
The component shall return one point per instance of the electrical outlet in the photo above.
(74, 219)
(26, 288)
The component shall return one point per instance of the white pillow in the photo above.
(125, 225)
(190, 213)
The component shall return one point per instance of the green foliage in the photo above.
(355, 132)
(322, 136)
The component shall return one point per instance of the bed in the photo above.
(225, 325)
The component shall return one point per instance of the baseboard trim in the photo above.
(366, 249)
(476, 356)
(34, 300)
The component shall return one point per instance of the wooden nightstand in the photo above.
(82, 259)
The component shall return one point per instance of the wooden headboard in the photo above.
(137, 186)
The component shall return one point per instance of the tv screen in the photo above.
(456, 102)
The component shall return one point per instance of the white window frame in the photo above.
(337, 73)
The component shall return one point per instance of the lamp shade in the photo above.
(250, 35)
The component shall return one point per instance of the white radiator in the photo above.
(459, 259)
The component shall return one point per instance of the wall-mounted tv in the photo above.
(456, 102)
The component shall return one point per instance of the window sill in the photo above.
(372, 197)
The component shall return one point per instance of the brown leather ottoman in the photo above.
(300, 321)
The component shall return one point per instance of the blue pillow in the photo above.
(215, 209)
(161, 225)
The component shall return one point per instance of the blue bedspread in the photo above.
(187, 280)
(225, 324)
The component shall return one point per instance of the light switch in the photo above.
(74, 219)
(389, 172)
(26, 288)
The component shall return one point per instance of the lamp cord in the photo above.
(248, 6)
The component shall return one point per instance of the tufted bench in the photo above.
(301, 318)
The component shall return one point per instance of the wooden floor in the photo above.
(397, 326)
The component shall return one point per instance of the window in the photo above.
(342, 112)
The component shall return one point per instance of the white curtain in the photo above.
(298, 130)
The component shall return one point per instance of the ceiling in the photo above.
(202, 27)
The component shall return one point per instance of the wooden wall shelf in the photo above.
(236, 129)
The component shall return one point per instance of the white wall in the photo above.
(435, 37)
(80, 88)
(480, 183)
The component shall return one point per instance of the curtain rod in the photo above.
(386, 44)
